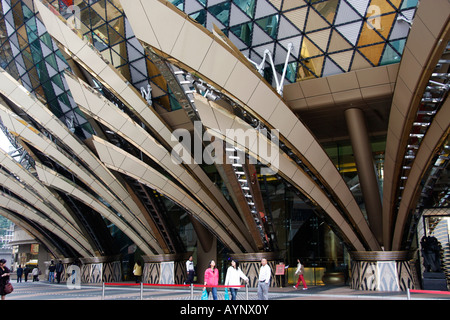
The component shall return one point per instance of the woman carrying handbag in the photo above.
(5, 285)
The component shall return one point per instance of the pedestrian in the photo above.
(264, 280)
(35, 274)
(212, 279)
(51, 271)
(299, 271)
(4, 277)
(26, 271)
(137, 271)
(190, 270)
(233, 277)
(19, 273)
(59, 270)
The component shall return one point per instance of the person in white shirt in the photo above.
(190, 271)
(299, 271)
(264, 280)
(233, 278)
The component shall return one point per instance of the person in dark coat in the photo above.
(26, 271)
(19, 273)
(4, 277)
(59, 270)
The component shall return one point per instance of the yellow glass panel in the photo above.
(386, 25)
(276, 3)
(315, 21)
(368, 35)
(309, 49)
(338, 43)
(117, 54)
(315, 65)
(159, 80)
(385, 7)
(396, 3)
(111, 12)
(359, 62)
(373, 53)
(327, 9)
(297, 17)
(289, 4)
(343, 59)
(100, 8)
(320, 38)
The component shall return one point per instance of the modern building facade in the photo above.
(239, 129)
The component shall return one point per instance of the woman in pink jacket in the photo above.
(212, 279)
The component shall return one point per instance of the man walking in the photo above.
(59, 270)
(264, 280)
(51, 272)
(190, 271)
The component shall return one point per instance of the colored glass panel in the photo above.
(248, 6)
(221, 12)
(243, 32)
(269, 25)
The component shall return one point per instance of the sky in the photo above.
(4, 142)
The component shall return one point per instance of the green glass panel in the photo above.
(409, 4)
(398, 45)
(269, 25)
(57, 80)
(27, 13)
(178, 3)
(200, 17)
(291, 70)
(248, 6)
(243, 32)
(51, 60)
(221, 12)
(390, 56)
(63, 97)
(47, 40)
(36, 51)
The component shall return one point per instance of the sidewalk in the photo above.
(43, 290)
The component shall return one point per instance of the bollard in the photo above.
(142, 291)
(192, 291)
(408, 294)
(246, 291)
(103, 291)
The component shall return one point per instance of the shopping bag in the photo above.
(8, 288)
(226, 296)
(204, 294)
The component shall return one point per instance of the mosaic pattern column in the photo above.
(165, 269)
(382, 271)
(101, 269)
(250, 263)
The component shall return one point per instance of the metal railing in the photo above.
(190, 286)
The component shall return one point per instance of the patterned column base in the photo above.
(101, 269)
(382, 271)
(250, 263)
(165, 269)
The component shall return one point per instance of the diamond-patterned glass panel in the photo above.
(327, 35)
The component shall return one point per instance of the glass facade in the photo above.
(328, 36)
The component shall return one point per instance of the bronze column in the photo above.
(366, 170)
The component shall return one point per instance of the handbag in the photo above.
(226, 296)
(204, 294)
(8, 288)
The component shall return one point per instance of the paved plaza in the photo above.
(44, 290)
